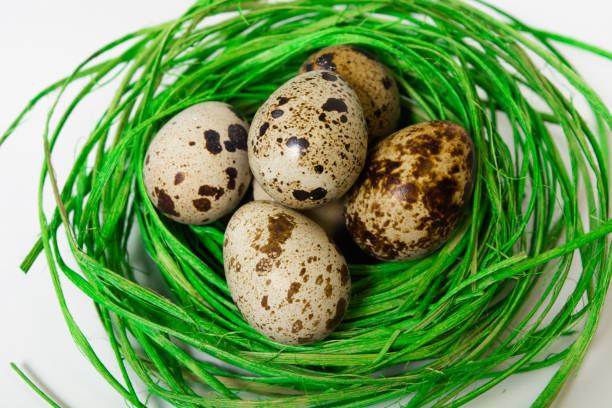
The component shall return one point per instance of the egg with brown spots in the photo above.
(308, 142)
(413, 191)
(286, 276)
(373, 83)
(329, 216)
(196, 168)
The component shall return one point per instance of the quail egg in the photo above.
(196, 168)
(286, 276)
(308, 142)
(416, 183)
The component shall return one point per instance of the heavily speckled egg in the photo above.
(329, 216)
(412, 192)
(286, 276)
(308, 141)
(196, 169)
(374, 85)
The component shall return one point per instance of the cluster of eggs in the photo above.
(322, 154)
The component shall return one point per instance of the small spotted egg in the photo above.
(416, 183)
(308, 141)
(286, 276)
(372, 82)
(196, 168)
(329, 216)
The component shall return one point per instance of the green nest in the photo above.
(496, 300)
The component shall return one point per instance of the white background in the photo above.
(41, 41)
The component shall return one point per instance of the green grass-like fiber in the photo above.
(453, 325)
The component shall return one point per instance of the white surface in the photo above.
(40, 41)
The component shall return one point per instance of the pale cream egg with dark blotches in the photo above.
(413, 191)
(196, 168)
(371, 80)
(286, 276)
(329, 216)
(308, 141)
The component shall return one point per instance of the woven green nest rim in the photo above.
(445, 328)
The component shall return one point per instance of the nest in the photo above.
(497, 299)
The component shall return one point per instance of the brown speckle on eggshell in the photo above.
(195, 161)
(283, 300)
(314, 151)
(371, 80)
(415, 185)
(329, 216)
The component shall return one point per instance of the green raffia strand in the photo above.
(457, 322)
(34, 387)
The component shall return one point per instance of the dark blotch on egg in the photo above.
(329, 77)
(165, 203)
(316, 194)
(334, 104)
(202, 204)
(301, 143)
(212, 144)
(282, 100)
(263, 128)
(178, 178)
(232, 173)
(210, 191)
(237, 138)
(326, 61)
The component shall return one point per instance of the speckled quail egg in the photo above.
(329, 216)
(286, 276)
(374, 85)
(196, 168)
(308, 142)
(411, 195)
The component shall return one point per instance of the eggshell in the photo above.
(259, 194)
(308, 141)
(286, 276)
(416, 184)
(329, 216)
(371, 80)
(196, 168)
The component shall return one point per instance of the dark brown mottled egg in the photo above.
(374, 85)
(196, 168)
(308, 142)
(286, 276)
(416, 183)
